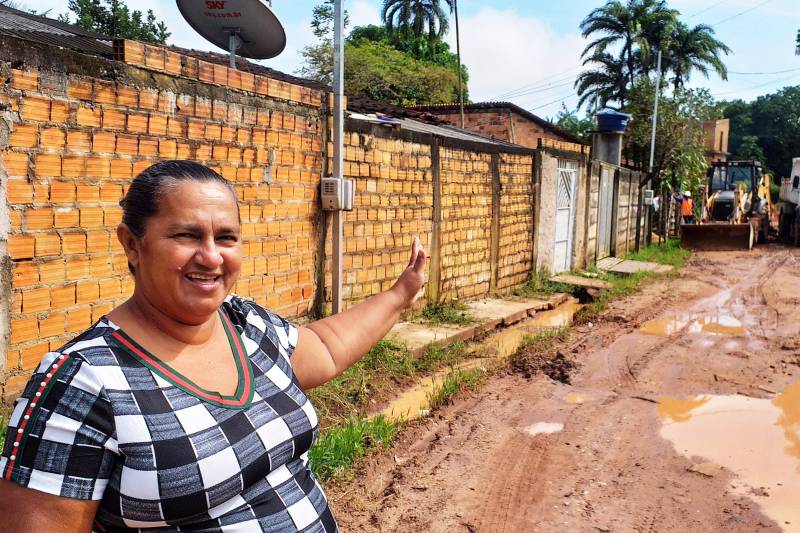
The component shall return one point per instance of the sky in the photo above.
(528, 51)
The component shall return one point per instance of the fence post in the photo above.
(536, 186)
(435, 251)
(495, 229)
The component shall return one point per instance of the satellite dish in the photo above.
(245, 27)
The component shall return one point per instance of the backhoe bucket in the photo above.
(717, 237)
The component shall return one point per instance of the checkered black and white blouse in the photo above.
(103, 419)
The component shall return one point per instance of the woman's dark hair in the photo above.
(146, 190)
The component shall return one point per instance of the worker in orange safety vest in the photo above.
(687, 208)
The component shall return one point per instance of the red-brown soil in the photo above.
(475, 466)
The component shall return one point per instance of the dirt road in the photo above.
(681, 417)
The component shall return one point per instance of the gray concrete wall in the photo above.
(545, 223)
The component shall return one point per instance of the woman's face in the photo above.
(190, 255)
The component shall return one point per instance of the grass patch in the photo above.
(667, 253)
(452, 312)
(340, 446)
(350, 393)
(539, 283)
(454, 382)
(346, 434)
(3, 428)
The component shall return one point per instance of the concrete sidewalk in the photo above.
(488, 314)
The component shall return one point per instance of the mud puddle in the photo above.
(415, 402)
(756, 439)
(713, 324)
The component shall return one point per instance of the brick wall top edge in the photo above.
(26, 54)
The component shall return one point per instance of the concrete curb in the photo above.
(488, 325)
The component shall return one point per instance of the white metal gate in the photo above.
(566, 190)
(605, 223)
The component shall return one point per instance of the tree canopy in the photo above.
(113, 17)
(770, 123)
(625, 38)
(393, 65)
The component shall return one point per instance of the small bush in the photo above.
(341, 446)
(452, 312)
(455, 381)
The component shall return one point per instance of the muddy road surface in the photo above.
(683, 415)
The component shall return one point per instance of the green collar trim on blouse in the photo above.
(245, 388)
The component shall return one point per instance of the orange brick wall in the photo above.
(466, 223)
(516, 220)
(394, 201)
(73, 150)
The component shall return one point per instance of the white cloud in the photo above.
(506, 51)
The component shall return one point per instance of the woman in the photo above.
(183, 407)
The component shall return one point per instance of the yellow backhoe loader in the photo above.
(736, 208)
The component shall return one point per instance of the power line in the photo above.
(537, 83)
(709, 8)
(560, 99)
(543, 89)
(763, 73)
(748, 10)
(755, 86)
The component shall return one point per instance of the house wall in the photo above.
(716, 138)
(502, 125)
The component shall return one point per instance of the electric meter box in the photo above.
(337, 194)
(647, 197)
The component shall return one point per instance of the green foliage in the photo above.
(417, 17)
(454, 382)
(437, 356)
(452, 312)
(339, 447)
(539, 283)
(322, 20)
(351, 392)
(679, 161)
(381, 72)
(773, 120)
(113, 17)
(667, 253)
(626, 36)
(569, 121)
(3, 428)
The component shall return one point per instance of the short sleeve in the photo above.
(60, 434)
(265, 327)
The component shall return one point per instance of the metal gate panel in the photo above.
(565, 214)
(604, 222)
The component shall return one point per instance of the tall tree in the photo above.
(605, 82)
(113, 17)
(625, 26)
(418, 17)
(690, 49)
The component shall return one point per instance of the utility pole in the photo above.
(655, 111)
(337, 228)
(458, 56)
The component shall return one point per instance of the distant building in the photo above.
(716, 133)
(503, 121)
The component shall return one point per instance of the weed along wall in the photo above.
(76, 129)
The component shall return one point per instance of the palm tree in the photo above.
(604, 83)
(691, 49)
(627, 25)
(417, 17)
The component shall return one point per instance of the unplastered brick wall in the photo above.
(466, 180)
(516, 215)
(78, 128)
(393, 202)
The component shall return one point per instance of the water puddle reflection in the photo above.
(713, 324)
(758, 440)
(577, 398)
(546, 428)
(556, 318)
